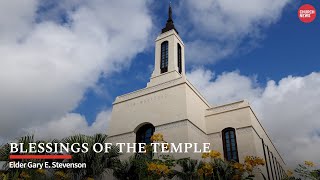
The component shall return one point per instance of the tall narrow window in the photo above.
(179, 59)
(230, 144)
(144, 134)
(164, 57)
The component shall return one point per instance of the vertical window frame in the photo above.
(164, 56)
(232, 149)
(179, 57)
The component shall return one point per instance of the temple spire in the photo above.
(170, 13)
(169, 25)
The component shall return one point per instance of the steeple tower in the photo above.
(169, 54)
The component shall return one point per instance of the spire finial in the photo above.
(170, 12)
(169, 24)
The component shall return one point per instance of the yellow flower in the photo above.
(40, 171)
(159, 169)
(163, 168)
(205, 155)
(156, 137)
(309, 163)
(249, 167)
(215, 154)
(259, 161)
(200, 171)
(238, 166)
(90, 178)
(60, 174)
(151, 166)
(25, 175)
(207, 169)
(289, 173)
(254, 161)
(249, 160)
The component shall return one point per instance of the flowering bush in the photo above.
(158, 169)
(306, 171)
(217, 168)
(205, 170)
(212, 166)
(211, 154)
(148, 165)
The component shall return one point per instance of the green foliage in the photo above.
(189, 168)
(141, 167)
(97, 163)
(133, 168)
(304, 171)
(19, 173)
(307, 172)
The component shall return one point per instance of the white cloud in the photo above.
(70, 124)
(226, 87)
(16, 19)
(229, 18)
(201, 51)
(288, 109)
(46, 66)
(217, 28)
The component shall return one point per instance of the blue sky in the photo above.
(288, 47)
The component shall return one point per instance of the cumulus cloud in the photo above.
(217, 28)
(53, 51)
(288, 109)
(70, 124)
(226, 87)
(16, 18)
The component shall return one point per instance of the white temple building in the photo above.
(171, 105)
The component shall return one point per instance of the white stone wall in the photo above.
(196, 107)
(249, 133)
(161, 105)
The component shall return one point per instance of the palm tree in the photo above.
(223, 169)
(96, 163)
(132, 169)
(189, 168)
(125, 170)
(18, 173)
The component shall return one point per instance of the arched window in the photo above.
(179, 59)
(164, 57)
(230, 144)
(144, 134)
